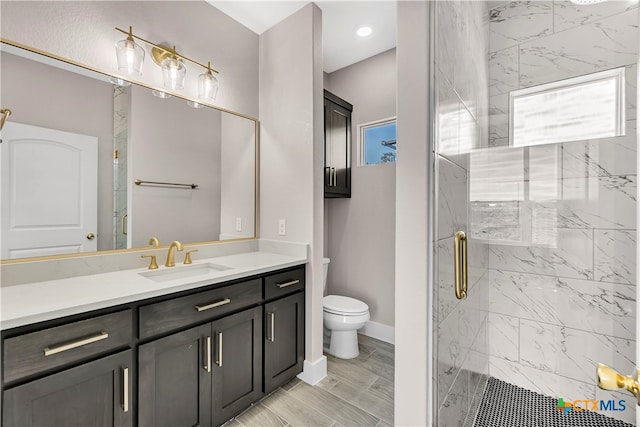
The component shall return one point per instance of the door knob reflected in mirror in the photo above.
(91, 236)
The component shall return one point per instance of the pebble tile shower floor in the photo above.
(505, 405)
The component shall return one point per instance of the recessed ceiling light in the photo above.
(364, 31)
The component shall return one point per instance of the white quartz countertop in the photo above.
(36, 302)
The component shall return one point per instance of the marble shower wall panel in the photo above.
(539, 381)
(452, 198)
(503, 71)
(572, 353)
(566, 54)
(568, 15)
(615, 256)
(601, 157)
(571, 257)
(520, 21)
(504, 333)
(596, 307)
(539, 42)
(598, 202)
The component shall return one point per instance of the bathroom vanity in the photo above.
(196, 350)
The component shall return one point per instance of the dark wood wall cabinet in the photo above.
(196, 358)
(337, 146)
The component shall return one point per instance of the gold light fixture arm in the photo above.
(610, 379)
(160, 52)
(5, 112)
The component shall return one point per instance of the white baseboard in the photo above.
(313, 372)
(379, 331)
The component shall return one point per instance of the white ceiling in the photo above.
(340, 19)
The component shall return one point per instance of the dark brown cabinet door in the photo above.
(237, 361)
(175, 380)
(284, 340)
(337, 146)
(94, 394)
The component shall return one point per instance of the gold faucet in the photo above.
(171, 260)
(153, 241)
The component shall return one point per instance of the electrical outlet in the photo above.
(238, 224)
(282, 227)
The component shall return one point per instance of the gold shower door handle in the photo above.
(610, 379)
(460, 264)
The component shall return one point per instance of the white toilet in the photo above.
(342, 316)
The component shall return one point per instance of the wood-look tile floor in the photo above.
(356, 392)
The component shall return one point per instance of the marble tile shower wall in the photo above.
(559, 218)
(461, 348)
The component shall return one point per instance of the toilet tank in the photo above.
(325, 268)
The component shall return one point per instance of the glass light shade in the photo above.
(173, 72)
(119, 82)
(130, 57)
(160, 94)
(194, 104)
(207, 86)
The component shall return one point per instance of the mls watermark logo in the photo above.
(590, 405)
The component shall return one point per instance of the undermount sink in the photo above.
(175, 273)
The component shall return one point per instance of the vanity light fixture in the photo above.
(586, 2)
(173, 67)
(130, 55)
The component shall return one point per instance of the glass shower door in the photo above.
(536, 162)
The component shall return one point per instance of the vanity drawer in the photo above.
(38, 351)
(281, 284)
(175, 313)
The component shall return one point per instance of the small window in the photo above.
(585, 107)
(377, 142)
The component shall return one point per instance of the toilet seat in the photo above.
(345, 306)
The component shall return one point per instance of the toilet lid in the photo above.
(344, 305)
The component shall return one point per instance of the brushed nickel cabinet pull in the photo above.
(460, 264)
(272, 327)
(125, 389)
(207, 362)
(48, 351)
(219, 359)
(284, 285)
(213, 304)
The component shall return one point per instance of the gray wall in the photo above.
(563, 284)
(46, 96)
(83, 31)
(238, 181)
(413, 374)
(360, 231)
(166, 149)
(291, 117)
